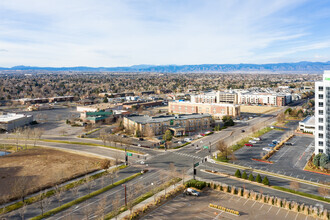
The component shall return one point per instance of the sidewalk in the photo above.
(147, 201)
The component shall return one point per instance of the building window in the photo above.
(321, 128)
(320, 96)
(320, 151)
(320, 143)
(320, 135)
(320, 120)
(320, 112)
(321, 88)
(320, 104)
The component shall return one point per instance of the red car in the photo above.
(249, 145)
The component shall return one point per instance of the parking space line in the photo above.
(239, 199)
(296, 216)
(206, 215)
(254, 203)
(171, 207)
(164, 210)
(245, 202)
(286, 214)
(278, 211)
(269, 208)
(261, 206)
(216, 217)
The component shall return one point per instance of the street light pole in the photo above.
(126, 157)
(125, 194)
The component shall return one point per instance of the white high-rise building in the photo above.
(322, 115)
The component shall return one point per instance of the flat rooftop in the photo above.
(145, 119)
(310, 120)
(12, 116)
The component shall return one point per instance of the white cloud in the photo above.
(121, 33)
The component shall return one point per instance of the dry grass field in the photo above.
(258, 109)
(35, 168)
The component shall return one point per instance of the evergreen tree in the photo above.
(251, 177)
(244, 175)
(238, 173)
(265, 181)
(258, 179)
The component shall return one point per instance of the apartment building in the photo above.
(215, 97)
(273, 99)
(322, 115)
(178, 124)
(217, 110)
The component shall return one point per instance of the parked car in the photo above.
(256, 139)
(187, 139)
(275, 141)
(289, 143)
(243, 131)
(249, 145)
(192, 192)
(267, 149)
(271, 145)
(252, 142)
(272, 127)
(124, 136)
(141, 139)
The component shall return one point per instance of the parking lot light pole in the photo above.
(126, 156)
(210, 148)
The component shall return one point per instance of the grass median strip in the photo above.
(52, 192)
(89, 144)
(84, 198)
(273, 174)
(320, 198)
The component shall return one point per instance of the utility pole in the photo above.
(126, 158)
(125, 194)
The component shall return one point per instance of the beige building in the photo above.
(178, 124)
(217, 110)
(215, 97)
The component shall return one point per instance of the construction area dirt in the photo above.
(258, 109)
(37, 168)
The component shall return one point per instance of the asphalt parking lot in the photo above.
(289, 160)
(189, 207)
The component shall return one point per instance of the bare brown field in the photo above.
(36, 168)
(258, 109)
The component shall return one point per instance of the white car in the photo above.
(267, 149)
(252, 142)
(256, 139)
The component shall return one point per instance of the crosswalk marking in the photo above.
(188, 155)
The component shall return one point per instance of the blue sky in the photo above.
(160, 32)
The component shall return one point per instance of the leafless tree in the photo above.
(18, 134)
(323, 191)
(149, 132)
(116, 204)
(105, 164)
(22, 211)
(59, 193)
(22, 185)
(104, 137)
(37, 133)
(294, 185)
(113, 173)
(101, 208)
(280, 117)
(223, 148)
(43, 202)
(26, 133)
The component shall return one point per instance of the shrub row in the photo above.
(224, 209)
(196, 184)
(258, 179)
(185, 144)
(271, 200)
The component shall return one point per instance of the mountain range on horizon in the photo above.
(301, 67)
